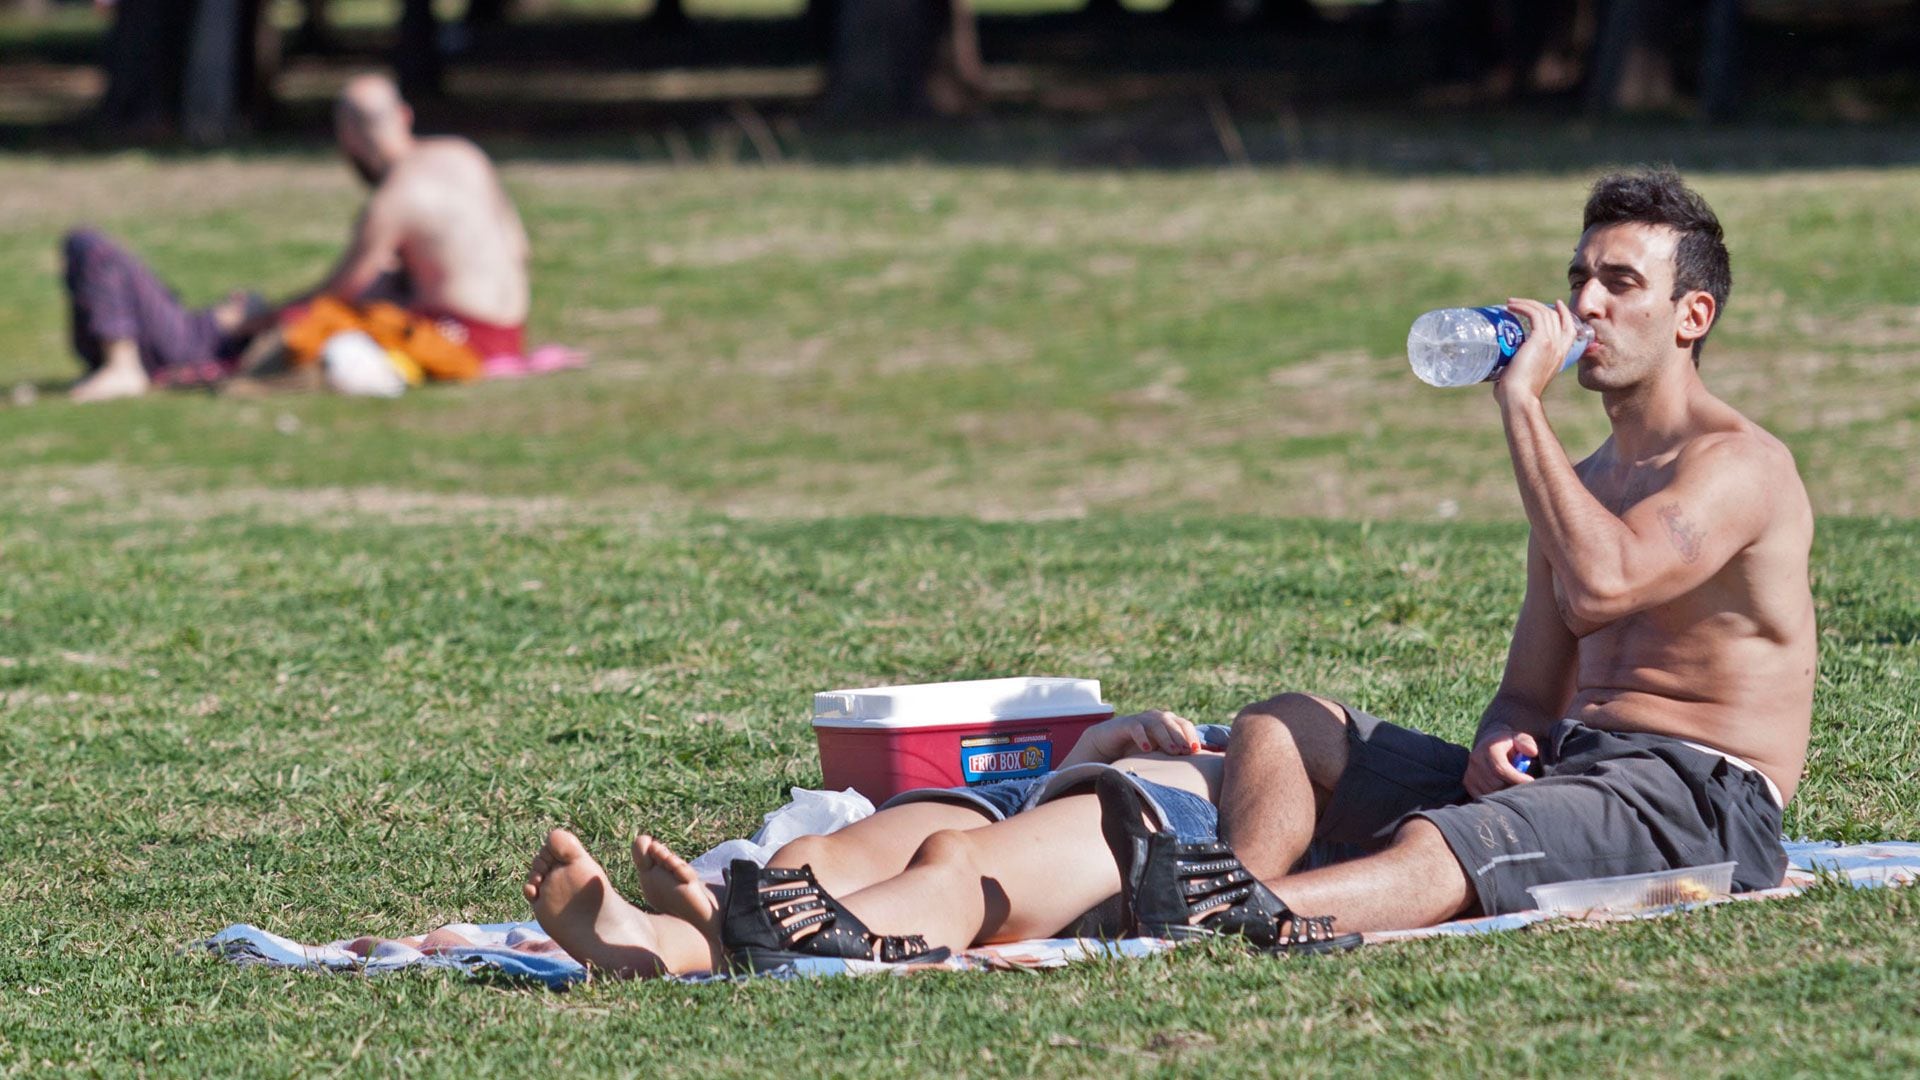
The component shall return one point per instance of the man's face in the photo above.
(1621, 282)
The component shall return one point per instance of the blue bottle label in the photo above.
(986, 759)
(1507, 331)
(1509, 334)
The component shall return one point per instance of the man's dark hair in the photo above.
(1660, 197)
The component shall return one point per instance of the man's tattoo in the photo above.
(1686, 538)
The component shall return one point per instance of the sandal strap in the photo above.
(791, 932)
(1204, 886)
(1208, 868)
(1302, 929)
(893, 949)
(769, 897)
(782, 873)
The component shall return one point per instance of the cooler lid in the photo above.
(974, 701)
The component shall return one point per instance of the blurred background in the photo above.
(1177, 80)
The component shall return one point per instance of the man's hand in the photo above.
(1490, 766)
(1550, 335)
(1140, 733)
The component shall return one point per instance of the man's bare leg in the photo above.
(577, 904)
(1027, 876)
(120, 374)
(1286, 755)
(1415, 881)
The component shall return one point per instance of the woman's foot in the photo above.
(112, 381)
(671, 887)
(576, 904)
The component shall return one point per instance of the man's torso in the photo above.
(462, 244)
(1729, 664)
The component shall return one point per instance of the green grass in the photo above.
(333, 666)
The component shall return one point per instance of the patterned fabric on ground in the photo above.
(512, 949)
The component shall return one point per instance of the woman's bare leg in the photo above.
(576, 902)
(875, 848)
(1025, 877)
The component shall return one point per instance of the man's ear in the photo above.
(1697, 311)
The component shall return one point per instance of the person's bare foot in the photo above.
(671, 887)
(111, 381)
(576, 904)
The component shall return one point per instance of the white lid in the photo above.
(975, 701)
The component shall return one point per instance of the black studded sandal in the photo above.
(1166, 883)
(765, 928)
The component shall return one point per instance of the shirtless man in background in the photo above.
(438, 236)
(1660, 678)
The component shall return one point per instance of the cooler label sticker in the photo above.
(1507, 330)
(989, 759)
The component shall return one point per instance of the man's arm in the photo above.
(1609, 567)
(1534, 689)
(371, 251)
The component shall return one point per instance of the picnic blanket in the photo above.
(523, 950)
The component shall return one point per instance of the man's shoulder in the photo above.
(1751, 468)
(1743, 447)
(451, 144)
(438, 159)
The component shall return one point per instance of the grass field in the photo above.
(333, 666)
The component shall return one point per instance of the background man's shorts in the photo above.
(1602, 803)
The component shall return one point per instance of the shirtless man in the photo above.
(1661, 673)
(438, 235)
(1661, 677)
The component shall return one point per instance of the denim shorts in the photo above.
(1189, 816)
(999, 800)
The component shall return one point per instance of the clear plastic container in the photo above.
(1636, 892)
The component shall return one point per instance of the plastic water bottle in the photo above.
(1463, 346)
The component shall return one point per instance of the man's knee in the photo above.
(1315, 726)
(80, 245)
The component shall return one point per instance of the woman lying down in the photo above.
(944, 869)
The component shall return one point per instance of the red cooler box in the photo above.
(890, 739)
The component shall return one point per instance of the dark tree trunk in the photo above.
(487, 12)
(821, 21)
(668, 14)
(899, 58)
(416, 56)
(1197, 11)
(1297, 14)
(210, 93)
(1720, 60)
(316, 32)
(145, 62)
(1630, 68)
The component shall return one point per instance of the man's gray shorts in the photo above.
(1602, 803)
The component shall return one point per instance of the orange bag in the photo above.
(415, 336)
